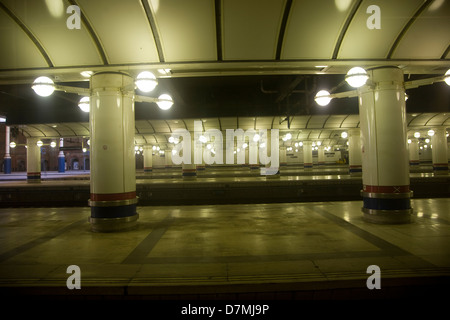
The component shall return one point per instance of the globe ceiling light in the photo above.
(344, 135)
(409, 141)
(202, 139)
(447, 77)
(256, 137)
(165, 102)
(431, 132)
(416, 134)
(40, 143)
(43, 86)
(146, 81)
(322, 98)
(53, 144)
(427, 140)
(12, 145)
(84, 104)
(356, 77)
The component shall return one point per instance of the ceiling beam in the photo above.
(287, 10)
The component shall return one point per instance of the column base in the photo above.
(33, 177)
(112, 215)
(7, 164)
(387, 216)
(113, 224)
(387, 204)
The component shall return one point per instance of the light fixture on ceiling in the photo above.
(43, 86)
(322, 98)
(39, 143)
(447, 77)
(164, 102)
(344, 135)
(146, 81)
(431, 132)
(84, 104)
(356, 77)
(417, 134)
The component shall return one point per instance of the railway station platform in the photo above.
(283, 247)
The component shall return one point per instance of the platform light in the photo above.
(344, 135)
(447, 77)
(416, 134)
(86, 74)
(427, 140)
(296, 144)
(245, 145)
(85, 104)
(256, 138)
(84, 150)
(319, 143)
(146, 81)
(12, 145)
(322, 98)
(89, 142)
(208, 146)
(202, 139)
(53, 144)
(356, 77)
(300, 144)
(431, 132)
(171, 139)
(165, 102)
(43, 86)
(39, 143)
(409, 141)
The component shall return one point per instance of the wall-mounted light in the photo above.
(164, 102)
(356, 77)
(43, 86)
(322, 98)
(85, 104)
(447, 77)
(146, 81)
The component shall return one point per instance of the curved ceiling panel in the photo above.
(47, 22)
(187, 29)
(124, 30)
(250, 34)
(360, 42)
(17, 49)
(313, 28)
(429, 36)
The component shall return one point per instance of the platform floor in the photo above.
(318, 250)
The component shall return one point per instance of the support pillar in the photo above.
(439, 151)
(189, 170)
(414, 152)
(113, 172)
(307, 155)
(168, 159)
(61, 157)
(354, 152)
(33, 161)
(385, 172)
(283, 157)
(253, 156)
(7, 158)
(321, 156)
(148, 159)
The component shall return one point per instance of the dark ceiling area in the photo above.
(230, 96)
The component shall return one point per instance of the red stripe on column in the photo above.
(386, 189)
(113, 196)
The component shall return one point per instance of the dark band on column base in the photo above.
(113, 215)
(387, 216)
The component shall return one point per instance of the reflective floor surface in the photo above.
(291, 249)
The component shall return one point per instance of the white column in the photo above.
(414, 152)
(354, 152)
(33, 161)
(321, 155)
(61, 157)
(385, 171)
(7, 158)
(307, 155)
(168, 159)
(148, 159)
(189, 170)
(439, 151)
(113, 171)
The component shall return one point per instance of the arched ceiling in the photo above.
(326, 128)
(179, 38)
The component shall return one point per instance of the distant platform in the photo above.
(212, 186)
